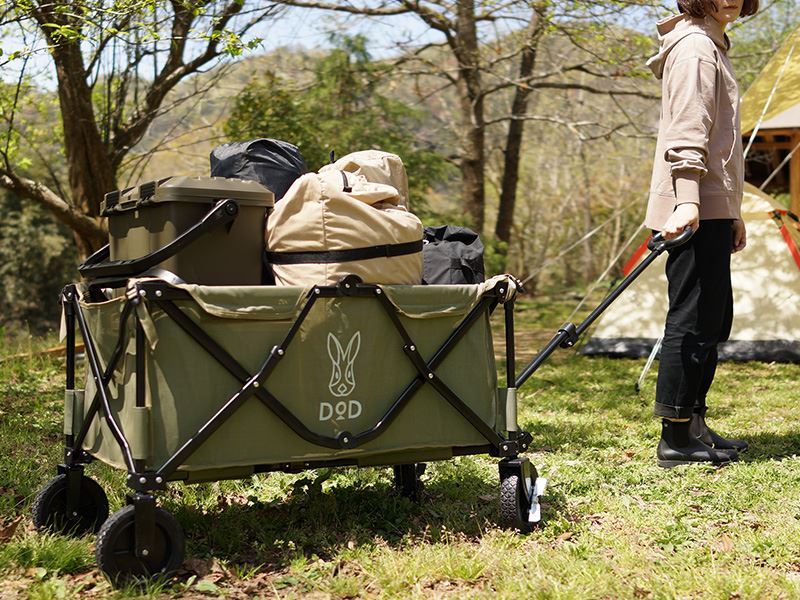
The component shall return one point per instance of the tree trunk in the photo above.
(90, 171)
(465, 47)
(516, 127)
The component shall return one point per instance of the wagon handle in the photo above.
(569, 333)
(98, 265)
(658, 244)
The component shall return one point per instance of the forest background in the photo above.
(532, 122)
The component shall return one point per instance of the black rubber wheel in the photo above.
(407, 481)
(514, 504)
(115, 550)
(50, 507)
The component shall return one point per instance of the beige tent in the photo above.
(771, 122)
(776, 87)
(766, 282)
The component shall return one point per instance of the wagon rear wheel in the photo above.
(407, 480)
(115, 550)
(49, 509)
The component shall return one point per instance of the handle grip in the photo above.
(98, 265)
(658, 244)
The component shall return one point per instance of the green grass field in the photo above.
(615, 525)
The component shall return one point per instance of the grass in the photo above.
(615, 525)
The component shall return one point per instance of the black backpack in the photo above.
(273, 163)
(452, 255)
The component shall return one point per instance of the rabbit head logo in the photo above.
(343, 380)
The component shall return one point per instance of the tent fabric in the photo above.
(766, 283)
(778, 70)
(788, 119)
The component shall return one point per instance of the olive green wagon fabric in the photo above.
(342, 371)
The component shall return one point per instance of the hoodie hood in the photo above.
(673, 29)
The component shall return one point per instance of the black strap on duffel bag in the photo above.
(341, 256)
(273, 163)
(452, 255)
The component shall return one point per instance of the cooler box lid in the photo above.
(187, 189)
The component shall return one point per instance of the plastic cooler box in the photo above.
(147, 217)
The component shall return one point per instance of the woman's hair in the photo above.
(701, 8)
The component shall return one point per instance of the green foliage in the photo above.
(342, 109)
(37, 259)
(756, 39)
(49, 553)
(495, 256)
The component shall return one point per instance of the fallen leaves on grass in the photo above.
(7, 531)
(725, 543)
(567, 535)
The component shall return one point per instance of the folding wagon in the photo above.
(190, 383)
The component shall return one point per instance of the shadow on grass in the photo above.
(311, 523)
(771, 446)
(551, 436)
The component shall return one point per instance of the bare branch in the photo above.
(593, 90)
(64, 212)
(172, 72)
(104, 40)
(376, 11)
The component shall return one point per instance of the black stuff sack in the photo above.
(273, 163)
(452, 255)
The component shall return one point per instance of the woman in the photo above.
(697, 182)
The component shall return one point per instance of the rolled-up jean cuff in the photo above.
(672, 412)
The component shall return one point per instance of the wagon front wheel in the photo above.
(49, 509)
(115, 550)
(515, 503)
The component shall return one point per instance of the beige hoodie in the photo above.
(699, 147)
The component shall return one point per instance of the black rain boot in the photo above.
(678, 447)
(699, 429)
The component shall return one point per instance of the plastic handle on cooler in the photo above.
(658, 244)
(98, 265)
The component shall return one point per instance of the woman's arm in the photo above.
(690, 86)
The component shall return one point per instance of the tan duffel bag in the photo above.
(337, 222)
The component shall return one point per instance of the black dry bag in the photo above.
(452, 255)
(273, 163)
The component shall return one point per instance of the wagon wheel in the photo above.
(50, 507)
(115, 550)
(407, 481)
(515, 503)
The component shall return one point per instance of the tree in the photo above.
(485, 63)
(115, 63)
(340, 109)
(33, 266)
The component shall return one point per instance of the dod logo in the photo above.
(342, 410)
(343, 380)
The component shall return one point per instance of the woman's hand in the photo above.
(739, 235)
(686, 214)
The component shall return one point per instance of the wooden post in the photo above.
(794, 177)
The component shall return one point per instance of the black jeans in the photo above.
(700, 316)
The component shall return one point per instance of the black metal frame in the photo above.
(162, 295)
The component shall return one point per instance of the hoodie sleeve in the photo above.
(690, 85)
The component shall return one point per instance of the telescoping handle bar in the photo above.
(569, 333)
(98, 265)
